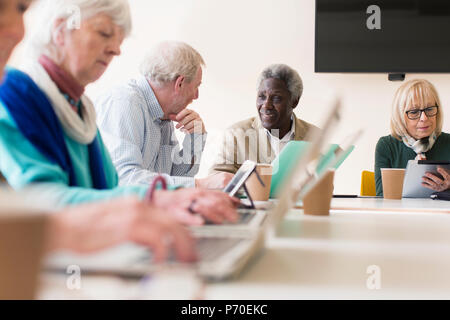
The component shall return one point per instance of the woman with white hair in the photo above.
(416, 133)
(96, 226)
(48, 132)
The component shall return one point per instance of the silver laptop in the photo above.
(223, 250)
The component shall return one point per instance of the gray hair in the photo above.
(73, 12)
(169, 60)
(286, 74)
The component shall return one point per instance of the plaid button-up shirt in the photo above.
(140, 143)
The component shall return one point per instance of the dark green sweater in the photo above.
(393, 153)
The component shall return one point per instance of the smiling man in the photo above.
(262, 138)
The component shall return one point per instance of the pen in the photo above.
(152, 188)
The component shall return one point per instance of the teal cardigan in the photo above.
(22, 165)
(393, 153)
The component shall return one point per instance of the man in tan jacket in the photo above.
(262, 138)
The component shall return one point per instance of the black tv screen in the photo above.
(391, 36)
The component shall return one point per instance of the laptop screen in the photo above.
(304, 170)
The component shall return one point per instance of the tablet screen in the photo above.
(415, 170)
(240, 177)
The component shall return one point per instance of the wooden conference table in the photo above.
(366, 249)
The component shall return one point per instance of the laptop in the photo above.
(337, 154)
(331, 158)
(223, 250)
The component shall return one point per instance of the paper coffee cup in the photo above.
(257, 191)
(317, 201)
(22, 242)
(392, 180)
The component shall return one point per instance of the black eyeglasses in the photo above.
(417, 113)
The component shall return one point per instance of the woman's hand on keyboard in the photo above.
(194, 206)
(93, 227)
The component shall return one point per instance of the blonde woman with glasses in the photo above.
(416, 133)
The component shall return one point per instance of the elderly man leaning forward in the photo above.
(262, 138)
(137, 120)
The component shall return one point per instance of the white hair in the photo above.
(72, 12)
(286, 74)
(169, 60)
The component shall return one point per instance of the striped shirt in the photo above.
(140, 143)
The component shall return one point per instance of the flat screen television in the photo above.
(385, 36)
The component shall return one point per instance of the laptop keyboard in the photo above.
(211, 248)
(245, 216)
(208, 249)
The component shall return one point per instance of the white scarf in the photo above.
(81, 129)
(419, 146)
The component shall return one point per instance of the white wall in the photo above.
(237, 39)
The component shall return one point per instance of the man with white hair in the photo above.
(137, 120)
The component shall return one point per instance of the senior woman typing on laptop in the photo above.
(48, 132)
(95, 226)
(416, 133)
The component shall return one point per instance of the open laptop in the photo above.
(250, 218)
(337, 154)
(223, 250)
(332, 157)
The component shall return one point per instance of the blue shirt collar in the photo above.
(154, 108)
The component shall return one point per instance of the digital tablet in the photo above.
(240, 177)
(415, 170)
